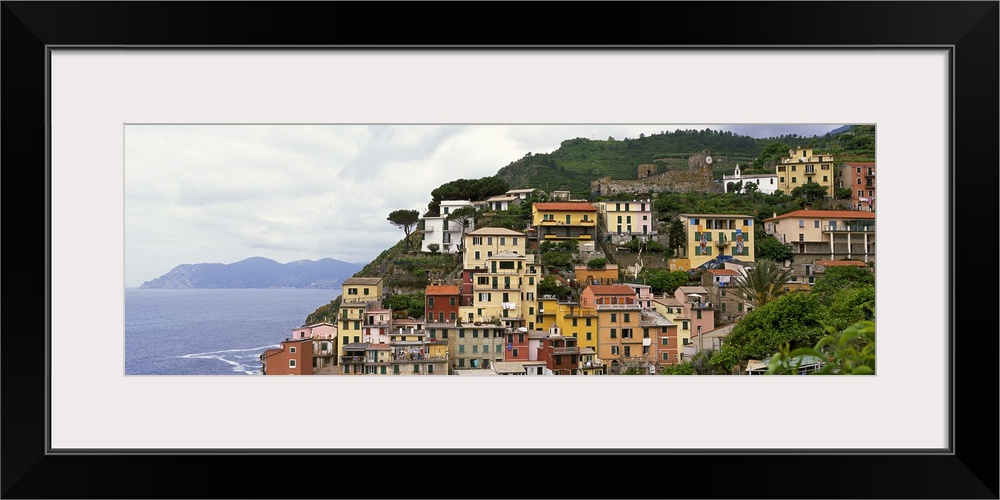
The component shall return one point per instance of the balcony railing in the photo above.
(352, 359)
(618, 307)
(700, 305)
(851, 228)
(566, 350)
(591, 364)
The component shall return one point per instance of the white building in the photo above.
(766, 183)
(446, 234)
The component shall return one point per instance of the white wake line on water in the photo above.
(237, 366)
(201, 354)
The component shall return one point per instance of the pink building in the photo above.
(860, 178)
(697, 309)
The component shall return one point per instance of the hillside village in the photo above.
(625, 281)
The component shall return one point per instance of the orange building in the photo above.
(293, 358)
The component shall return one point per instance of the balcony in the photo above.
(851, 228)
(700, 305)
(566, 350)
(345, 360)
(631, 340)
(596, 363)
(323, 354)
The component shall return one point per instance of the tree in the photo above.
(406, 220)
(793, 319)
(598, 263)
(464, 216)
(676, 235)
(663, 281)
(771, 153)
(770, 248)
(809, 191)
(750, 188)
(434, 247)
(843, 193)
(763, 283)
(412, 304)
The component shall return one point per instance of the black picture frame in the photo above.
(971, 28)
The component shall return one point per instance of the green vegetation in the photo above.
(549, 286)
(811, 192)
(768, 247)
(686, 368)
(599, 263)
(411, 304)
(850, 351)
(826, 318)
(664, 281)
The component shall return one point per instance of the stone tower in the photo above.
(647, 170)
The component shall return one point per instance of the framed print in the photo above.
(91, 81)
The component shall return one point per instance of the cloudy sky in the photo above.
(223, 193)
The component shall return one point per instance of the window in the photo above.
(825, 178)
(395, 369)
(291, 350)
(626, 317)
(794, 180)
(515, 241)
(614, 350)
(416, 368)
(489, 240)
(430, 302)
(781, 180)
(499, 348)
(475, 333)
(484, 297)
(626, 333)
(430, 369)
(645, 349)
(664, 341)
(588, 321)
(477, 240)
(452, 316)
(461, 334)
(574, 322)
(444, 334)
(461, 362)
(503, 241)
(861, 192)
(366, 291)
(802, 237)
(871, 192)
(802, 223)
(666, 356)
(684, 325)
(698, 314)
(291, 363)
(451, 300)
(589, 336)
(614, 333)
(461, 349)
(354, 291)
(614, 317)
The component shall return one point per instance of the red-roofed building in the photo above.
(564, 220)
(441, 303)
(860, 178)
(823, 235)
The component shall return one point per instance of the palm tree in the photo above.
(763, 283)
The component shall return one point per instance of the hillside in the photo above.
(579, 161)
(257, 272)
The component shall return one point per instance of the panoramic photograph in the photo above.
(485, 250)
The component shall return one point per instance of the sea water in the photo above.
(211, 332)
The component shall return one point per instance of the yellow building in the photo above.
(505, 290)
(362, 290)
(801, 166)
(483, 243)
(672, 309)
(564, 220)
(546, 316)
(350, 322)
(711, 236)
(577, 321)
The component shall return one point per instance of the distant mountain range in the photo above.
(258, 272)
